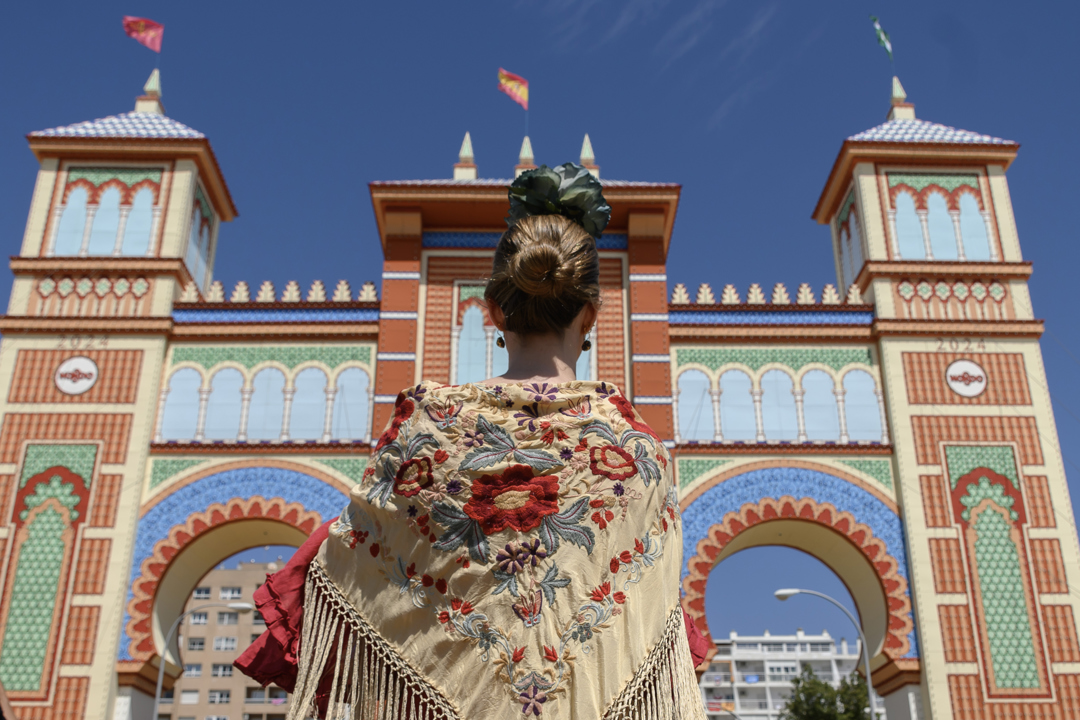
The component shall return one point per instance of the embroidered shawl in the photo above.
(511, 551)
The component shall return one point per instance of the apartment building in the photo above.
(750, 677)
(210, 639)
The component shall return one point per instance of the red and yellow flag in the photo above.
(515, 86)
(145, 31)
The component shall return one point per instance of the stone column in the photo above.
(84, 248)
(989, 222)
(328, 420)
(839, 393)
(54, 229)
(455, 338)
(718, 432)
(893, 241)
(756, 395)
(371, 413)
(955, 215)
(881, 411)
(200, 424)
(799, 394)
(286, 412)
(489, 349)
(158, 429)
(245, 410)
(125, 210)
(155, 223)
(925, 225)
(676, 434)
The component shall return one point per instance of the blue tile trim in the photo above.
(739, 317)
(608, 241)
(274, 315)
(751, 487)
(267, 482)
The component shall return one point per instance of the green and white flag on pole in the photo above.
(882, 37)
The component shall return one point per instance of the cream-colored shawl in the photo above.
(512, 551)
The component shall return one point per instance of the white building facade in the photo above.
(751, 675)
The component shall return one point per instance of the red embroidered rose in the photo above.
(626, 557)
(614, 564)
(631, 418)
(550, 654)
(519, 655)
(601, 592)
(602, 518)
(440, 585)
(514, 498)
(612, 462)
(413, 476)
(639, 546)
(403, 410)
(619, 597)
(444, 617)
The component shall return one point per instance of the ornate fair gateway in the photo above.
(897, 425)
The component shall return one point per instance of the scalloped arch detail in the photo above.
(894, 585)
(140, 606)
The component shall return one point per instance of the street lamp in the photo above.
(785, 593)
(242, 607)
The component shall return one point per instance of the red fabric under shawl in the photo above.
(274, 656)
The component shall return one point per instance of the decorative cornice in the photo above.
(941, 268)
(770, 448)
(173, 267)
(275, 447)
(84, 325)
(769, 334)
(276, 331)
(1012, 328)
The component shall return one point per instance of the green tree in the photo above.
(815, 699)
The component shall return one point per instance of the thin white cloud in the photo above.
(687, 32)
(747, 41)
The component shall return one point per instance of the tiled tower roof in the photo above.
(125, 125)
(921, 131)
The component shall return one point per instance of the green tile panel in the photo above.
(845, 209)
(79, 459)
(690, 469)
(756, 358)
(128, 176)
(920, 181)
(352, 468)
(34, 591)
(467, 292)
(962, 459)
(1005, 607)
(290, 356)
(162, 470)
(204, 204)
(880, 470)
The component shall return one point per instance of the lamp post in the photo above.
(242, 607)
(785, 593)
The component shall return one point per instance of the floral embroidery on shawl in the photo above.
(508, 478)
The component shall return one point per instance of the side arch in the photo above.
(285, 503)
(856, 532)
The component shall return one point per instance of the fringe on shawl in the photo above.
(370, 681)
(664, 687)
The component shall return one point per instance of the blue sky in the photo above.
(745, 104)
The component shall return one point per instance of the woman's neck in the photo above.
(540, 358)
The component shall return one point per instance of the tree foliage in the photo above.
(815, 699)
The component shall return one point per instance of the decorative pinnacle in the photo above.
(153, 84)
(525, 157)
(465, 154)
(898, 94)
(588, 159)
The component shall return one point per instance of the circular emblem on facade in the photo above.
(966, 378)
(76, 375)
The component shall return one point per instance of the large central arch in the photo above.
(849, 525)
(186, 532)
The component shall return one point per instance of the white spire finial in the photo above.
(150, 100)
(901, 109)
(525, 157)
(588, 158)
(465, 168)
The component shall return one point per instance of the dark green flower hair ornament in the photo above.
(568, 190)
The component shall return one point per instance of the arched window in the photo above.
(351, 409)
(778, 414)
(819, 406)
(695, 406)
(267, 405)
(308, 415)
(106, 223)
(909, 237)
(942, 233)
(856, 247)
(69, 233)
(181, 413)
(472, 348)
(861, 406)
(140, 223)
(737, 418)
(198, 250)
(223, 407)
(973, 229)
